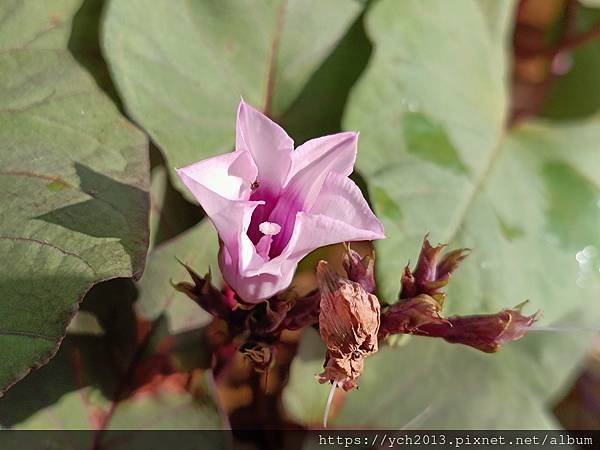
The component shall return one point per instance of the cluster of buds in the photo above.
(419, 309)
(351, 319)
(255, 329)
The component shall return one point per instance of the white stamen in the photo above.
(269, 228)
(329, 401)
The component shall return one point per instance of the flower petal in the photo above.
(222, 187)
(268, 143)
(340, 214)
(229, 175)
(341, 199)
(256, 288)
(312, 162)
(336, 152)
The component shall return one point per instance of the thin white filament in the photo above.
(329, 401)
(566, 329)
(418, 419)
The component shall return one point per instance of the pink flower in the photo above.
(272, 205)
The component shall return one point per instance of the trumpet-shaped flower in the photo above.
(272, 205)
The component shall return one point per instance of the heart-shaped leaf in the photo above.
(182, 66)
(438, 158)
(73, 185)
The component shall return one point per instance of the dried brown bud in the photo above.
(431, 274)
(206, 295)
(360, 269)
(348, 323)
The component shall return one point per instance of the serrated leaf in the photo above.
(73, 185)
(431, 109)
(181, 67)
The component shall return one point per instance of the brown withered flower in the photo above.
(348, 322)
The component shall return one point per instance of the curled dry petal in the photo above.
(259, 354)
(348, 323)
(272, 205)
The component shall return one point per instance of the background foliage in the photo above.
(469, 131)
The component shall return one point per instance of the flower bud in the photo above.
(407, 316)
(360, 269)
(431, 274)
(206, 295)
(485, 332)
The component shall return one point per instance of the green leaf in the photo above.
(181, 67)
(197, 247)
(427, 101)
(430, 384)
(591, 3)
(73, 185)
(332, 81)
(304, 398)
(111, 381)
(75, 391)
(431, 109)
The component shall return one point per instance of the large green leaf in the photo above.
(112, 379)
(182, 66)
(73, 185)
(76, 391)
(431, 109)
(453, 93)
(430, 384)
